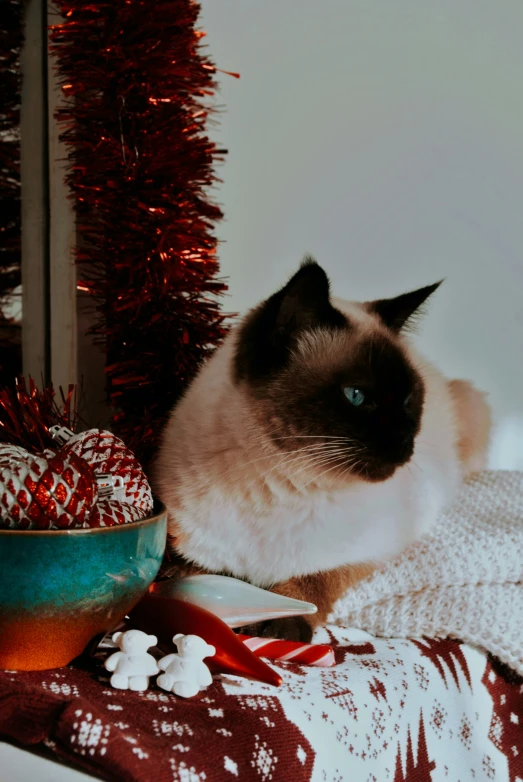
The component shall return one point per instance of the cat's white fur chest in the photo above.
(360, 524)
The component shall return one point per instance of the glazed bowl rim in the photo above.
(159, 511)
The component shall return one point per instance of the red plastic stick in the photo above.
(166, 616)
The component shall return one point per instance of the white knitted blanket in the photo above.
(464, 580)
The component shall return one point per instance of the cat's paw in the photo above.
(293, 628)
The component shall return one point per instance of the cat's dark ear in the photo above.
(401, 311)
(304, 302)
(271, 329)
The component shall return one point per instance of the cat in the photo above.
(313, 445)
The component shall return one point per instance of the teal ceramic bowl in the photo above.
(59, 589)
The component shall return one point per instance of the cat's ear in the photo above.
(401, 311)
(271, 329)
(304, 302)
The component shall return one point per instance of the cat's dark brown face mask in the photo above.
(338, 385)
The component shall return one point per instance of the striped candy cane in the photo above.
(320, 655)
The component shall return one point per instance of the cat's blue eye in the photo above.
(354, 395)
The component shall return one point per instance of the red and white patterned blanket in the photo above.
(400, 710)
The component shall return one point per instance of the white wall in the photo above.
(386, 139)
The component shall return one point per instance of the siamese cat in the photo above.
(313, 445)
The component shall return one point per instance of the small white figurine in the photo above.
(185, 673)
(132, 665)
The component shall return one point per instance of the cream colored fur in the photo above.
(237, 504)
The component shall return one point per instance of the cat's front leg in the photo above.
(322, 589)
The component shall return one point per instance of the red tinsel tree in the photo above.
(138, 90)
(10, 210)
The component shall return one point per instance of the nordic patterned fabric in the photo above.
(398, 710)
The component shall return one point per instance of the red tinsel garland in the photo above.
(138, 90)
(10, 210)
(27, 413)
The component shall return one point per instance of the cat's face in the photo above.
(335, 391)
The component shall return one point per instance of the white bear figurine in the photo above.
(132, 665)
(185, 673)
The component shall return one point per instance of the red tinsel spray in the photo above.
(138, 90)
(28, 413)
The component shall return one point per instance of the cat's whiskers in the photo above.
(242, 465)
(414, 464)
(330, 458)
(440, 462)
(352, 467)
(317, 477)
(426, 443)
(333, 439)
(320, 455)
(321, 449)
(307, 455)
(414, 477)
(304, 453)
(417, 480)
(325, 441)
(324, 448)
(314, 436)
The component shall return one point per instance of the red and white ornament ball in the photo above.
(109, 455)
(93, 480)
(45, 492)
(111, 513)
